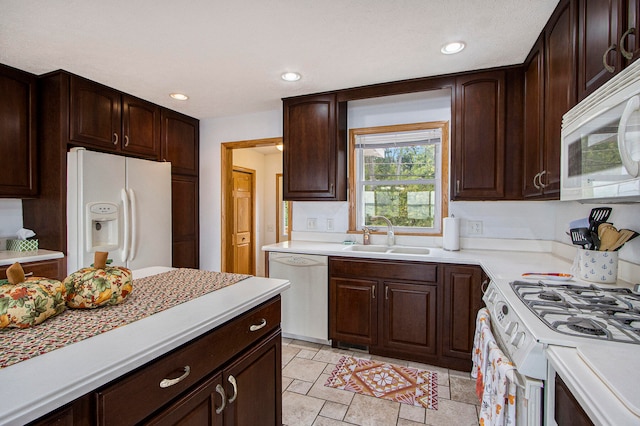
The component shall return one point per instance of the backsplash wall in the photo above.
(509, 220)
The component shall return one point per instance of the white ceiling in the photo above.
(228, 55)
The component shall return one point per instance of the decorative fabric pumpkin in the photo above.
(25, 303)
(99, 285)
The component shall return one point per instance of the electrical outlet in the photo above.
(475, 227)
(312, 223)
(329, 224)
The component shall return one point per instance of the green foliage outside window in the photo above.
(399, 183)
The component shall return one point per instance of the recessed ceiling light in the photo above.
(453, 47)
(179, 96)
(290, 76)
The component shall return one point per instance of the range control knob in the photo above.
(518, 339)
(511, 327)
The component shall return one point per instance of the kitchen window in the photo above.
(399, 172)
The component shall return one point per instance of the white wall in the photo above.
(213, 132)
(10, 217)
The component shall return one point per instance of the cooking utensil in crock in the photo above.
(599, 214)
(581, 237)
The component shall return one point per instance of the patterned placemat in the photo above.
(150, 295)
(407, 385)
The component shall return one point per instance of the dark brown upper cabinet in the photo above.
(559, 90)
(478, 157)
(18, 134)
(533, 121)
(599, 57)
(106, 119)
(315, 143)
(180, 140)
(608, 40)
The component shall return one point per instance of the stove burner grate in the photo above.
(586, 326)
(549, 295)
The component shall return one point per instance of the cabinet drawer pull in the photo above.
(115, 139)
(628, 55)
(28, 274)
(165, 383)
(233, 382)
(386, 292)
(605, 63)
(256, 327)
(223, 395)
(373, 291)
(457, 186)
(126, 140)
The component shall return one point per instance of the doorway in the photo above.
(227, 263)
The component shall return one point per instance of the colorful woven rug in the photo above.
(407, 385)
(149, 296)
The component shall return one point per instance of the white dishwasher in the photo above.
(305, 305)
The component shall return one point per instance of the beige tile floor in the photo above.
(307, 402)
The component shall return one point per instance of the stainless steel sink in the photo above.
(369, 248)
(409, 250)
(386, 249)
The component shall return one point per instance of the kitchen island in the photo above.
(40, 385)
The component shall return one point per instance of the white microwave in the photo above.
(600, 156)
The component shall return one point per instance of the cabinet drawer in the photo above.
(139, 394)
(413, 271)
(54, 269)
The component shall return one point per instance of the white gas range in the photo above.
(530, 316)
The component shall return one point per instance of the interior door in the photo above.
(243, 217)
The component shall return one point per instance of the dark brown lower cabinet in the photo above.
(54, 268)
(241, 394)
(417, 311)
(568, 411)
(229, 376)
(353, 315)
(409, 318)
(461, 300)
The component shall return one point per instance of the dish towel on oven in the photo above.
(495, 376)
(480, 341)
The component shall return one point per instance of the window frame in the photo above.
(444, 170)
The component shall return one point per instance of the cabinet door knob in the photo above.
(115, 139)
(234, 383)
(126, 140)
(628, 55)
(223, 395)
(605, 62)
(165, 383)
(256, 327)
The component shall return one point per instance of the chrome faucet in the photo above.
(391, 239)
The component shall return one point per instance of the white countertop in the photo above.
(41, 384)
(608, 395)
(613, 402)
(8, 257)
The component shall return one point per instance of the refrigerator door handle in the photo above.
(134, 222)
(125, 214)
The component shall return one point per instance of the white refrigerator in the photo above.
(117, 204)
